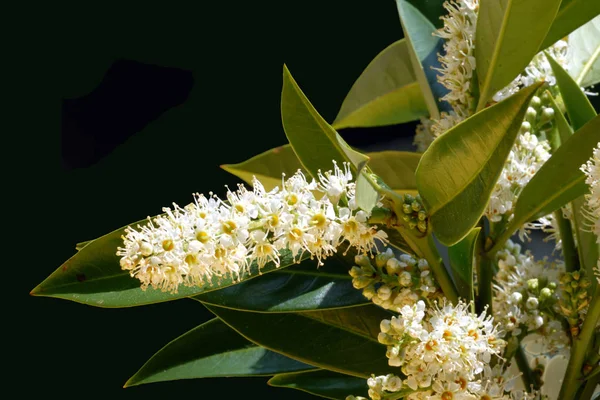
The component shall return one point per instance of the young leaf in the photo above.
(584, 53)
(267, 166)
(229, 354)
(559, 180)
(423, 49)
(508, 35)
(462, 256)
(571, 15)
(315, 142)
(343, 340)
(386, 93)
(396, 168)
(304, 287)
(94, 276)
(457, 174)
(322, 383)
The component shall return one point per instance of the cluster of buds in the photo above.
(395, 282)
(413, 213)
(575, 298)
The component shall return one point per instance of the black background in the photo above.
(137, 109)
(124, 111)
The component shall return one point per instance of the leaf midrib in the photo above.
(588, 65)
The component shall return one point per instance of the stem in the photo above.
(529, 378)
(581, 343)
(379, 216)
(497, 243)
(485, 274)
(568, 243)
(439, 270)
(589, 388)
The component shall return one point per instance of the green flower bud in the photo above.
(416, 206)
(535, 102)
(533, 284)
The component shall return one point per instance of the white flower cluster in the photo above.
(525, 158)
(538, 70)
(395, 282)
(592, 172)
(212, 238)
(445, 351)
(526, 295)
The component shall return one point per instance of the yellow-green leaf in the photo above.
(571, 15)
(386, 93)
(458, 172)
(508, 35)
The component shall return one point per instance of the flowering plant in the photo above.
(395, 274)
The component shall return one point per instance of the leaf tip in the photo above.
(130, 382)
(36, 291)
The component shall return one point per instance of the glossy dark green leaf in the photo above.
(462, 259)
(343, 340)
(457, 174)
(303, 287)
(571, 15)
(322, 383)
(267, 166)
(508, 35)
(423, 48)
(315, 142)
(386, 93)
(584, 53)
(212, 350)
(93, 276)
(559, 180)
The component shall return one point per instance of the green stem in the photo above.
(440, 272)
(589, 388)
(565, 232)
(529, 378)
(380, 216)
(496, 244)
(485, 274)
(581, 343)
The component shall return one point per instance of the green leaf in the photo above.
(93, 276)
(458, 172)
(267, 166)
(396, 168)
(579, 108)
(315, 142)
(212, 350)
(81, 245)
(432, 10)
(508, 35)
(299, 288)
(322, 383)
(462, 258)
(559, 180)
(343, 340)
(386, 93)
(423, 48)
(571, 15)
(584, 53)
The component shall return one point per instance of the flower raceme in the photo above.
(213, 238)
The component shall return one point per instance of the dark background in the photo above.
(137, 109)
(124, 111)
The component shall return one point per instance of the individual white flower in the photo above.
(212, 239)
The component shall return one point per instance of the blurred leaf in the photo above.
(94, 276)
(343, 340)
(267, 167)
(228, 354)
(508, 35)
(322, 383)
(315, 142)
(386, 93)
(458, 172)
(432, 10)
(423, 48)
(571, 15)
(462, 257)
(299, 288)
(584, 53)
